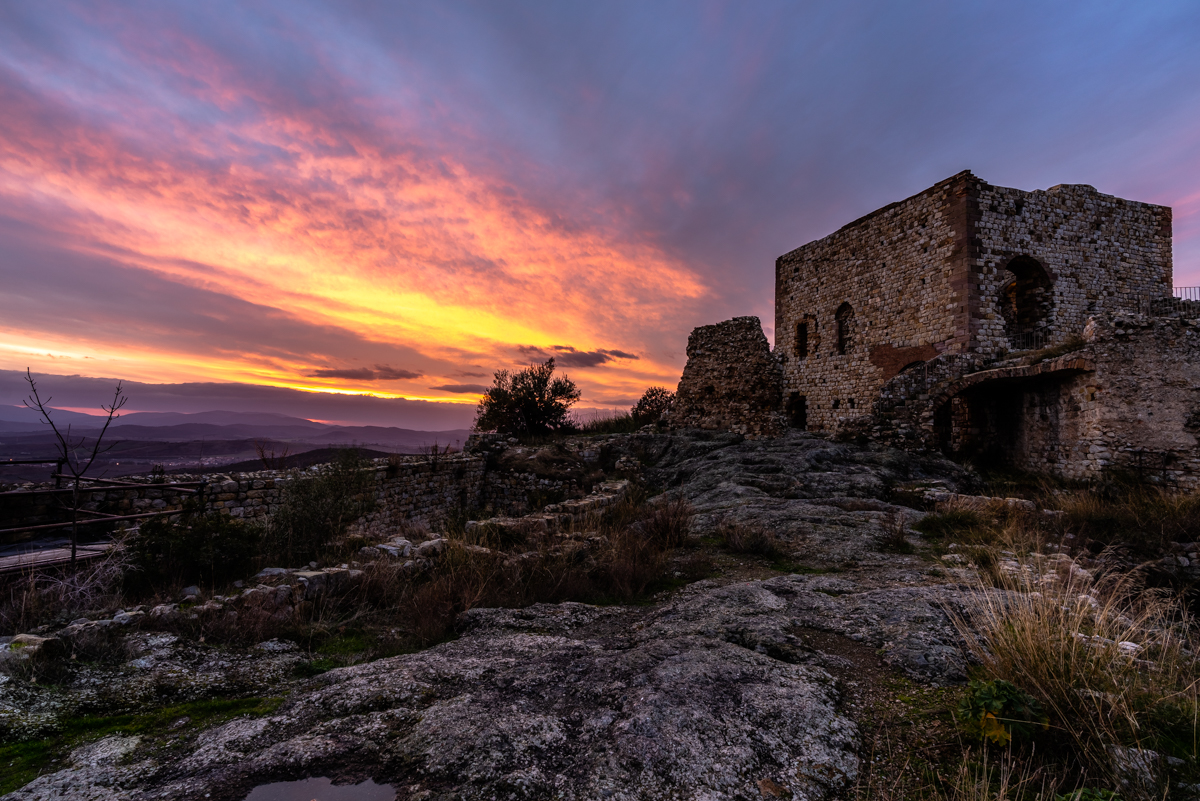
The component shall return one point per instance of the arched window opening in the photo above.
(801, 340)
(1026, 301)
(845, 328)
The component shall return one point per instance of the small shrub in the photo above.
(317, 508)
(200, 547)
(633, 563)
(497, 537)
(754, 540)
(999, 711)
(59, 594)
(669, 523)
(947, 524)
(527, 402)
(893, 536)
(654, 403)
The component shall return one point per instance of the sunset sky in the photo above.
(401, 198)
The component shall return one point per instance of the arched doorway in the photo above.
(1026, 302)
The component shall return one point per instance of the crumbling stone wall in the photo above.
(731, 381)
(1128, 397)
(929, 275)
(1103, 254)
(419, 488)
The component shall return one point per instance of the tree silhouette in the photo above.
(73, 452)
(529, 401)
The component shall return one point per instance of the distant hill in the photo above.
(300, 460)
(203, 441)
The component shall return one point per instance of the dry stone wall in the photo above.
(1102, 254)
(419, 489)
(934, 274)
(731, 381)
(898, 271)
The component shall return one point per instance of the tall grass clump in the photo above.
(742, 538)
(1147, 518)
(1112, 666)
(46, 595)
(622, 423)
(317, 508)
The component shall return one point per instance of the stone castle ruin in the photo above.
(1038, 329)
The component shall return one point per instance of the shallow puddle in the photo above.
(322, 789)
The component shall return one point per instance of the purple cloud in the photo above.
(380, 373)
(463, 388)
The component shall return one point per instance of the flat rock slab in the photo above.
(706, 697)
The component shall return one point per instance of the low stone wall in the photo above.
(420, 489)
(428, 491)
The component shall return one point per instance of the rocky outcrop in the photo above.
(705, 697)
(719, 690)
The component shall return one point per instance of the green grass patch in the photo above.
(21, 763)
(346, 644)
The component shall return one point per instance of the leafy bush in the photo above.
(317, 508)
(999, 711)
(529, 401)
(199, 547)
(654, 403)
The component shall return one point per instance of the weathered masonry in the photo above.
(961, 268)
(1039, 329)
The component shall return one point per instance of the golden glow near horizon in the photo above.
(446, 267)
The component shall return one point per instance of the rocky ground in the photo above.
(748, 684)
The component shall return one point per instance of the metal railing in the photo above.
(1029, 340)
(1183, 301)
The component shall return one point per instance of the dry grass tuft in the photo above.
(742, 538)
(1112, 664)
(59, 594)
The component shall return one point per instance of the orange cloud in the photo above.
(389, 242)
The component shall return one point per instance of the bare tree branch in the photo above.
(69, 450)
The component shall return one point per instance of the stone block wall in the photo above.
(899, 273)
(421, 489)
(1127, 398)
(1103, 254)
(927, 276)
(731, 381)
